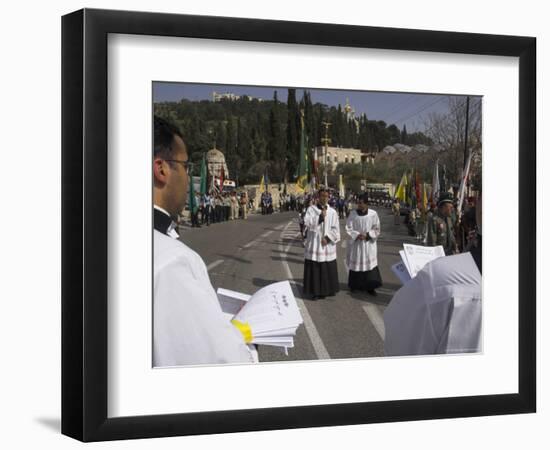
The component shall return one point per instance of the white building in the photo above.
(337, 155)
(216, 96)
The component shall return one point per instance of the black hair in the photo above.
(164, 134)
(364, 198)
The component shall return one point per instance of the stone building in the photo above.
(215, 162)
(337, 155)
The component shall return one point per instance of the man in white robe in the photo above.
(438, 311)
(323, 233)
(188, 324)
(363, 229)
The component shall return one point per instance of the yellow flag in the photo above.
(424, 198)
(401, 193)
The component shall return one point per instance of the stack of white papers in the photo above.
(413, 259)
(269, 317)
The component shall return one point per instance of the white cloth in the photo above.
(330, 228)
(189, 326)
(362, 255)
(438, 311)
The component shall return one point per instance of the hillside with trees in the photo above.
(255, 135)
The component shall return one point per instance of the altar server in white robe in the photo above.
(323, 233)
(438, 311)
(188, 324)
(363, 229)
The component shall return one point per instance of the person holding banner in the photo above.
(363, 229)
(323, 233)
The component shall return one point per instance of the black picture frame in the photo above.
(84, 224)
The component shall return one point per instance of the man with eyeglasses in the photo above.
(188, 324)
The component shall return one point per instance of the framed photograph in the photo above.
(273, 225)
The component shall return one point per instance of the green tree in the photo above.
(404, 136)
(276, 143)
(292, 127)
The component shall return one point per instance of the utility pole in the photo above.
(466, 151)
(466, 132)
(326, 141)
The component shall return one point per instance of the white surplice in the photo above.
(438, 311)
(362, 255)
(330, 228)
(189, 326)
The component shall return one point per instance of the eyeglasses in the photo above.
(187, 165)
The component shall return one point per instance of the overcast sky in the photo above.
(410, 109)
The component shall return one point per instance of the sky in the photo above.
(410, 109)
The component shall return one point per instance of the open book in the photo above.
(413, 259)
(269, 317)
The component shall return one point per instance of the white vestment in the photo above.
(438, 311)
(362, 255)
(330, 228)
(188, 324)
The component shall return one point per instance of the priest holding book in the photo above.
(323, 233)
(189, 326)
(363, 229)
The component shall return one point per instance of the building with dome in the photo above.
(216, 165)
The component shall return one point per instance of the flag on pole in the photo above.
(222, 176)
(412, 190)
(443, 181)
(424, 198)
(401, 193)
(341, 186)
(463, 181)
(435, 182)
(266, 179)
(203, 174)
(303, 168)
(418, 187)
(262, 184)
(315, 170)
(192, 202)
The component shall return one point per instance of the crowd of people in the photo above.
(215, 207)
(442, 225)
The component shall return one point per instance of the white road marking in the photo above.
(250, 244)
(266, 234)
(311, 330)
(376, 319)
(214, 264)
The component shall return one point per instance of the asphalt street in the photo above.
(245, 255)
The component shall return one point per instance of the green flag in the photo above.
(303, 169)
(203, 174)
(192, 202)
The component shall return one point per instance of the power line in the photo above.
(399, 108)
(423, 108)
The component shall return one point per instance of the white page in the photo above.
(272, 307)
(418, 256)
(404, 260)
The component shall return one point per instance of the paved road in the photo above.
(246, 255)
